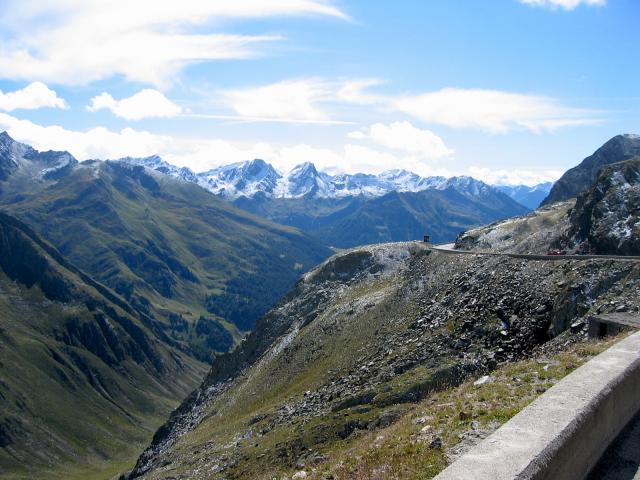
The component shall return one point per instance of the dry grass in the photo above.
(405, 450)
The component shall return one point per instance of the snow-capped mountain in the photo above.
(304, 180)
(247, 179)
(154, 162)
(21, 158)
(241, 179)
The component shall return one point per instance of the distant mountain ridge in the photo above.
(530, 197)
(257, 177)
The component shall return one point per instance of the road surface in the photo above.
(621, 461)
(448, 248)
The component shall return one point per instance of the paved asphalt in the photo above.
(449, 248)
(621, 461)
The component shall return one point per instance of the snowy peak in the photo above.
(465, 185)
(241, 179)
(16, 156)
(305, 180)
(154, 162)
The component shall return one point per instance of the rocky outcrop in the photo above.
(606, 217)
(581, 177)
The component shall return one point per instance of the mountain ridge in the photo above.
(582, 176)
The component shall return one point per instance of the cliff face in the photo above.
(606, 217)
(360, 339)
(581, 177)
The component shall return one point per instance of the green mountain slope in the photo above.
(84, 380)
(397, 216)
(170, 248)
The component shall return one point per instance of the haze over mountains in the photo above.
(345, 210)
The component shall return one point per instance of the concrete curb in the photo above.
(563, 433)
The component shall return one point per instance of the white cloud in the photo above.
(97, 142)
(80, 41)
(405, 137)
(292, 100)
(564, 4)
(147, 103)
(514, 177)
(203, 154)
(353, 91)
(493, 111)
(33, 96)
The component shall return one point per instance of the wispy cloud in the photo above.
(33, 96)
(147, 103)
(290, 100)
(493, 111)
(563, 4)
(145, 40)
(404, 137)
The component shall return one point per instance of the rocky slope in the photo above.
(604, 220)
(84, 377)
(606, 217)
(170, 248)
(359, 340)
(534, 233)
(581, 177)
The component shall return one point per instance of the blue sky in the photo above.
(506, 90)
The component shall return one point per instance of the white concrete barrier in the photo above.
(565, 431)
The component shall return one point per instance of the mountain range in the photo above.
(355, 373)
(346, 210)
(170, 248)
(121, 281)
(257, 177)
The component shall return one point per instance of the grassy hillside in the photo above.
(360, 343)
(84, 380)
(170, 248)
